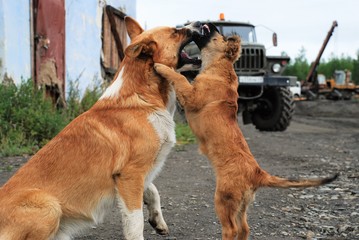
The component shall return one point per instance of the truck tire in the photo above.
(275, 110)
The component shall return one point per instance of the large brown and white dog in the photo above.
(110, 154)
(210, 104)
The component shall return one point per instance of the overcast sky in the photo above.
(298, 23)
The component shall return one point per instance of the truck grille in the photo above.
(251, 60)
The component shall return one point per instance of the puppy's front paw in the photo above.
(162, 69)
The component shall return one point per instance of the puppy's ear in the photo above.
(133, 28)
(143, 49)
(233, 50)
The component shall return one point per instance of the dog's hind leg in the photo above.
(243, 228)
(226, 206)
(152, 200)
(33, 215)
(243, 232)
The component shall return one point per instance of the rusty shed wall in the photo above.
(49, 33)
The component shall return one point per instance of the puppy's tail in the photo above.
(278, 182)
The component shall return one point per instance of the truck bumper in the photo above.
(278, 81)
(282, 81)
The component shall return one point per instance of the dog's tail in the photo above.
(268, 180)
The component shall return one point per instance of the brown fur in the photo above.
(210, 105)
(105, 154)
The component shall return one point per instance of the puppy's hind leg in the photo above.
(243, 232)
(152, 200)
(227, 208)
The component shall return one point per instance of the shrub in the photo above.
(27, 119)
(77, 105)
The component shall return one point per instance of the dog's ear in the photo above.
(233, 50)
(133, 28)
(143, 49)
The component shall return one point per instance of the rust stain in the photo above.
(49, 34)
(48, 78)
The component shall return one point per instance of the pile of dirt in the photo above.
(327, 108)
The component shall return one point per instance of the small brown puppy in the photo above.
(211, 106)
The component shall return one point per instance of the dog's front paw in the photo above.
(161, 228)
(162, 69)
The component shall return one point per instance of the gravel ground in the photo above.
(312, 146)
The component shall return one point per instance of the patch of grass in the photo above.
(28, 120)
(184, 134)
(9, 168)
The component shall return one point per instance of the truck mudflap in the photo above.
(278, 81)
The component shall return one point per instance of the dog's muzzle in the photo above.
(193, 29)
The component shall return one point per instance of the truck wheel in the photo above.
(275, 110)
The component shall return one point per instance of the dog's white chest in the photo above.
(162, 122)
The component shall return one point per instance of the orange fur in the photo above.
(111, 152)
(210, 104)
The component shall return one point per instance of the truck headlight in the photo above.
(276, 68)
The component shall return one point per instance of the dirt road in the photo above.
(311, 147)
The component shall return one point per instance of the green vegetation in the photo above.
(184, 134)
(77, 105)
(300, 66)
(28, 120)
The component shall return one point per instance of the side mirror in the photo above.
(275, 40)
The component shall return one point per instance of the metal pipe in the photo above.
(316, 62)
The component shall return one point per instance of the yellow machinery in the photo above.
(340, 86)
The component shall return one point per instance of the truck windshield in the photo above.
(246, 33)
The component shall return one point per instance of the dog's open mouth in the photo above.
(186, 59)
(184, 56)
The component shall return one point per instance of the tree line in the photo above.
(300, 66)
